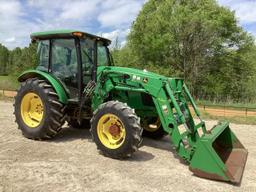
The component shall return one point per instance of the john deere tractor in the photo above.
(76, 82)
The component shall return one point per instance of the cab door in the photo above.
(64, 64)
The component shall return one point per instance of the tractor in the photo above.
(76, 81)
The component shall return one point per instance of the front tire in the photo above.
(116, 130)
(38, 112)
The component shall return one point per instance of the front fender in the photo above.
(58, 87)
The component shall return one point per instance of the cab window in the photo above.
(64, 61)
(43, 55)
(102, 56)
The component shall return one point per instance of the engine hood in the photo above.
(134, 73)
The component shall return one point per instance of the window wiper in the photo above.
(90, 59)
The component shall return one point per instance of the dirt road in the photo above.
(228, 112)
(70, 162)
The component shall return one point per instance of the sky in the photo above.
(107, 18)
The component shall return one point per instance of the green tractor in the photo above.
(75, 82)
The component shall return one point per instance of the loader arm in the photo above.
(193, 143)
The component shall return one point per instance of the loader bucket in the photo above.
(219, 155)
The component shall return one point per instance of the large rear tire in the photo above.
(116, 130)
(38, 112)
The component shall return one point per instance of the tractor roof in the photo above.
(65, 34)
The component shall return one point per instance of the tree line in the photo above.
(13, 62)
(197, 40)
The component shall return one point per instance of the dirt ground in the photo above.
(228, 112)
(71, 162)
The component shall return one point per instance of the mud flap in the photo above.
(219, 155)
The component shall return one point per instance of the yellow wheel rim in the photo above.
(111, 131)
(32, 110)
(157, 124)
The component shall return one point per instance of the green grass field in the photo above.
(229, 105)
(8, 83)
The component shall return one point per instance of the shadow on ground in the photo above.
(68, 134)
(141, 156)
(163, 144)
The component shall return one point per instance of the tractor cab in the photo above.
(72, 57)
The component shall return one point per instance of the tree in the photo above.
(194, 39)
(22, 59)
(4, 56)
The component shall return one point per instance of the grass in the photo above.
(250, 120)
(229, 105)
(8, 83)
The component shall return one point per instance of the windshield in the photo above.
(102, 57)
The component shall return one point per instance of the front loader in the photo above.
(75, 81)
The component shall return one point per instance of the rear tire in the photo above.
(122, 133)
(53, 112)
(156, 134)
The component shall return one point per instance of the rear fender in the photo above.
(57, 85)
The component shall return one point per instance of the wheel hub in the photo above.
(111, 131)
(114, 130)
(39, 108)
(32, 110)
